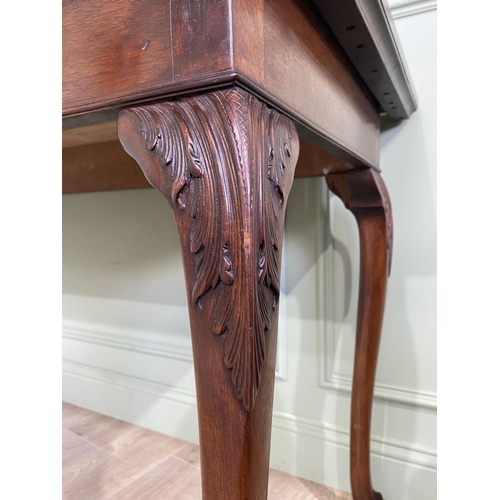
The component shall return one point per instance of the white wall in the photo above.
(126, 344)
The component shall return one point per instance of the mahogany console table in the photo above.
(222, 103)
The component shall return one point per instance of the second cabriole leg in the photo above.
(365, 195)
(225, 162)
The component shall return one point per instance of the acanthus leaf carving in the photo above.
(227, 161)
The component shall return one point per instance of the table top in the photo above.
(331, 65)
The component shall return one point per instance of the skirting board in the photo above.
(314, 450)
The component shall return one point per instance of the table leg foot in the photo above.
(225, 162)
(365, 194)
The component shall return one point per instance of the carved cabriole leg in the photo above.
(365, 195)
(225, 162)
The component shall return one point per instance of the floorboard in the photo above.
(107, 459)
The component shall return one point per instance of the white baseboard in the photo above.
(315, 450)
(163, 408)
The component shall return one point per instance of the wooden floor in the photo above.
(104, 458)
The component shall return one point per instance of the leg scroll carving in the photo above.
(225, 162)
(365, 195)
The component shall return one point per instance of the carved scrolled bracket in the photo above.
(225, 162)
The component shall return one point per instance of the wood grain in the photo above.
(103, 166)
(225, 163)
(113, 50)
(248, 44)
(201, 38)
(138, 51)
(365, 195)
(94, 160)
(104, 132)
(176, 477)
(75, 449)
(307, 73)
